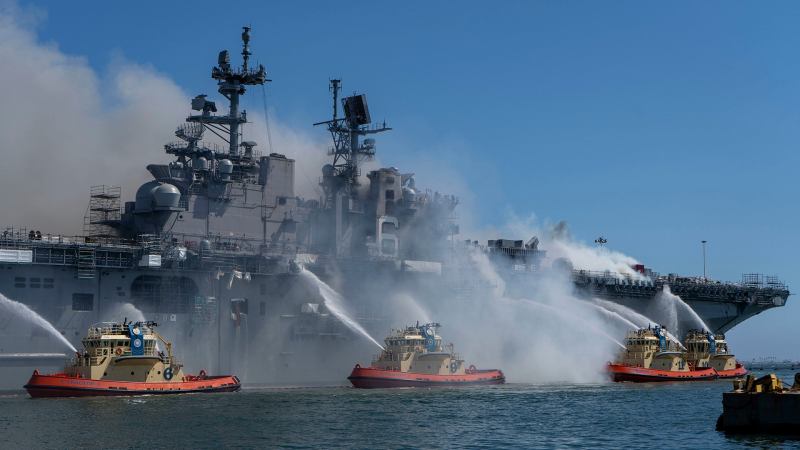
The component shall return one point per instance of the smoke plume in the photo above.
(66, 127)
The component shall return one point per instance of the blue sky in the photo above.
(653, 124)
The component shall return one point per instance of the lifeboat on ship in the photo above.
(650, 355)
(416, 357)
(123, 359)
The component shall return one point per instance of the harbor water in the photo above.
(613, 415)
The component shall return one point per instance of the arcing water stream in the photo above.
(678, 302)
(640, 320)
(125, 311)
(23, 312)
(334, 303)
(570, 319)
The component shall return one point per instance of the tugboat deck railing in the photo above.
(105, 329)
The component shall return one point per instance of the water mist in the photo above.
(546, 335)
(125, 310)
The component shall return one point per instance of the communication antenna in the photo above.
(232, 84)
(266, 117)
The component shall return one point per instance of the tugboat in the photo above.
(650, 355)
(123, 359)
(416, 357)
(705, 349)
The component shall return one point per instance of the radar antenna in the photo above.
(348, 150)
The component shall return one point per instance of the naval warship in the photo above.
(213, 246)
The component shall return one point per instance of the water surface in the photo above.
(670, 415)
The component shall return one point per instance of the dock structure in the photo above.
(761, 405)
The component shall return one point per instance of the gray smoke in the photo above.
(65, 127)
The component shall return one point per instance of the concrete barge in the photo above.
(763, 405)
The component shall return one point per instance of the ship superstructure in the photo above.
(209, 247)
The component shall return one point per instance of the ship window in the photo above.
(48, 283)
(262, 288)
(388, 227)
(155, 294)
(19, 282)
(82, 302)
(282, 200)
(389, 194)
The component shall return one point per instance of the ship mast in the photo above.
(232, 82)
(341, 177)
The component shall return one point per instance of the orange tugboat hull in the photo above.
(63, 385)
(641, 375)
(370, 378)
(739, 371)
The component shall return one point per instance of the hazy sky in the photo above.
(654, 124)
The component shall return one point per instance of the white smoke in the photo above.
(65, 127)
(559, 244)
(308, 149)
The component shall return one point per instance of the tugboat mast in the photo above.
(232, 84)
